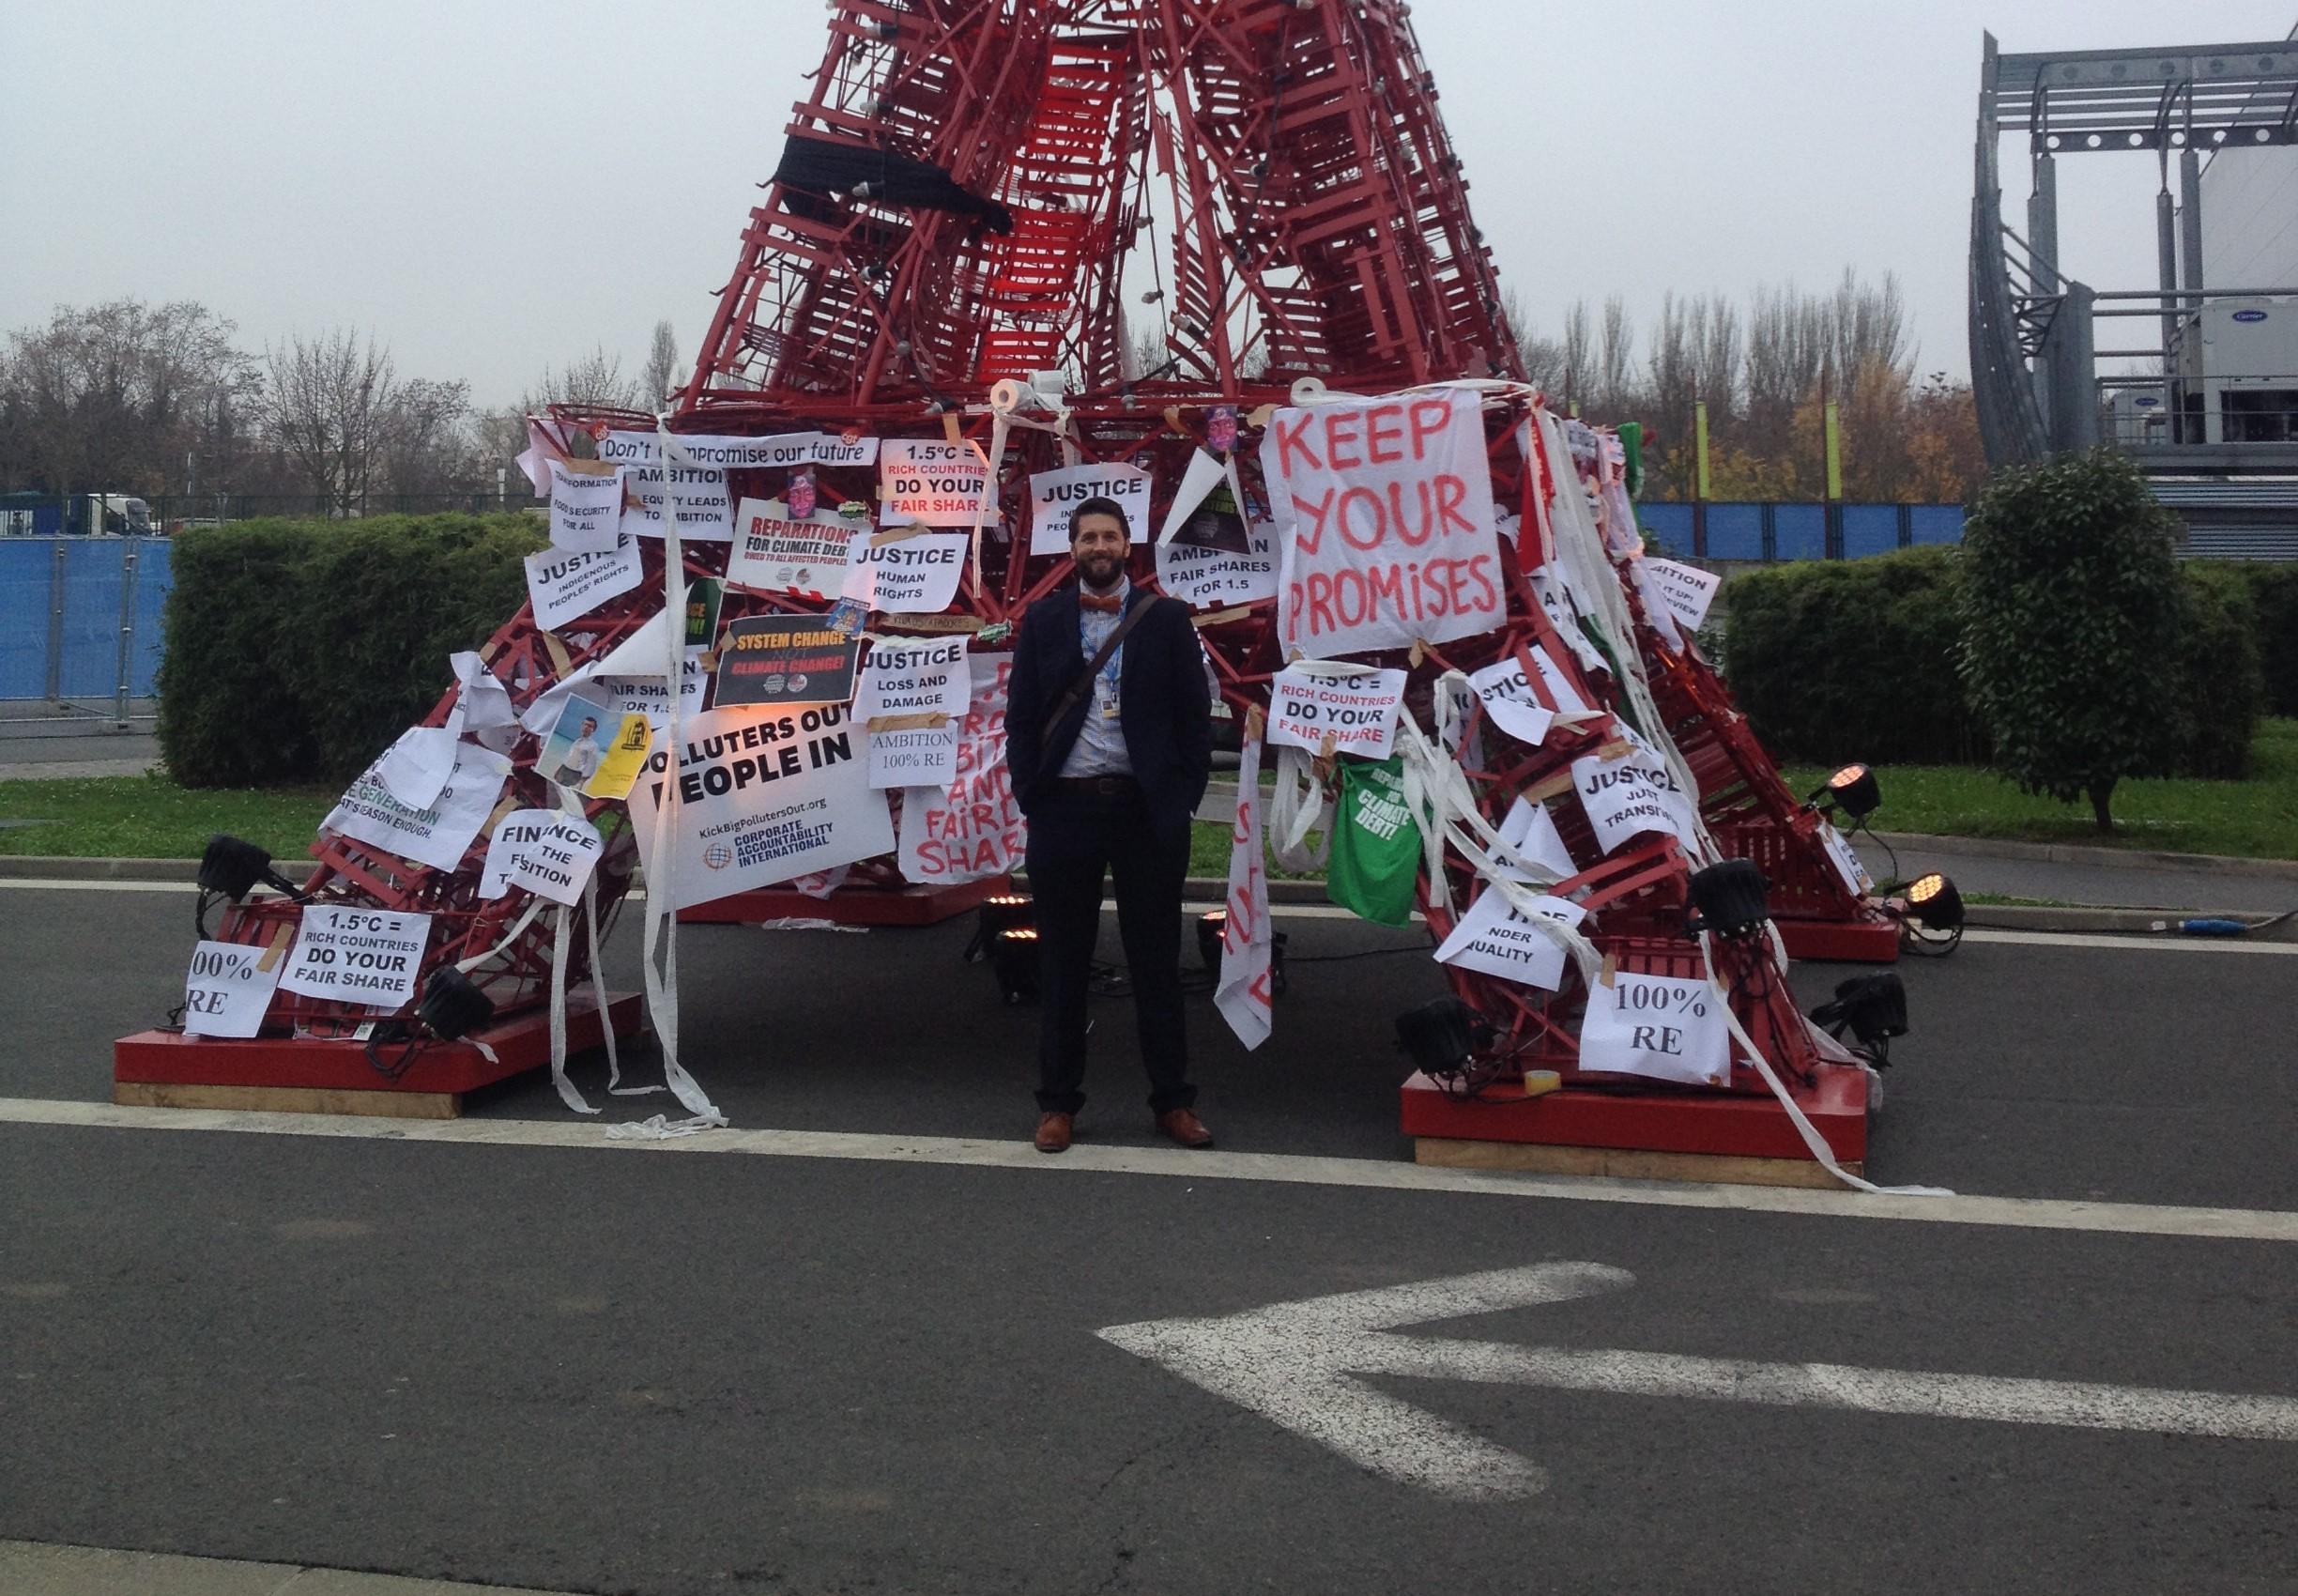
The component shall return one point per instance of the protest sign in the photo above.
(1054, 494)
(586, 508)
(705, 597)
(549, 853)
(694, 498)
(1535, 849)
(577, 745)
(229, 987)
(1562, 604)
(1497, 939)
(1525, 706)
(975, 828)
(436, 835)
(1385, 523)
(1685, 590)
(1207, 577)
(1629, 790)
(926, 677)
(785, 659)
(779, 452)
(1654, 1025)
(625, 757)
(761, 797)
(563, 586)
(773, 553)
(933, 484)
(1345, 710)
(483, 702)
(1849, 867)
(620, 693)
(1207, 509)
(365, 956)
(903, 569)
(904, 752)
(1244, 994)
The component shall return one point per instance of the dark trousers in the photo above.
(1073, 838)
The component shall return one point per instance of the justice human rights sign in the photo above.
(1385, 519)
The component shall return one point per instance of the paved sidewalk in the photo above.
(2133, 885)
(48, 757)
(38, 1569)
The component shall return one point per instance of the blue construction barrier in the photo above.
(1758, 533)
(63, 605)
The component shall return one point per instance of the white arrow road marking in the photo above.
(1299, 1365)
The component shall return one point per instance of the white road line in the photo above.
(1292, 1169)
(43, 883)
(81, 1570)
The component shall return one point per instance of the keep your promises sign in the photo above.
(1385, 516)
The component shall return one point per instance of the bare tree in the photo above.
(425, 446)
(1616, 359)
(328, 408)
(661, 366)
(1576, 356)
(593, 380)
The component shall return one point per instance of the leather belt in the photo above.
(1096, 786)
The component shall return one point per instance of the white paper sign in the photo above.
(692, 498)
(1243, 994)
(1653, 1025)
(437, 835)
(774, 554)
(564, 586)
(483, 703)
(1492, 938)
(550, 852)
(779, 452)
(1556, 596)
(976, 829)
(1211, 578)
(586, 512)
(1510, 702)
(1385, 520)
(1632, 793)
(1849, 869)
(1530, 835)
(764, 794)
(928, 677)
(1358, 711)
(1205, 473)
(228, 989)
(1686, 589)
(367, 955)
(917, 755)
(1054, 494)
(916, 575)
(931, 483)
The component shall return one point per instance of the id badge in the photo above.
(1105, 697)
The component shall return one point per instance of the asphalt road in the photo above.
(598, 1368)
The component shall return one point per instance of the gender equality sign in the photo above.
(1385, 522)
(761, 798)
(975, 828)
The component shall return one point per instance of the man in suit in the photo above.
(1110, 778)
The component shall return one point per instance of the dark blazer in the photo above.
(1165, 704)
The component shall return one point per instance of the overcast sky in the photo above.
(494, 187)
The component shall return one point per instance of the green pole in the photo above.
(1699, 449)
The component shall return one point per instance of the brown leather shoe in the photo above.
(1184, 1126)
(1053, 1133)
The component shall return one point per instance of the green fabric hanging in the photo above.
(1375, 846)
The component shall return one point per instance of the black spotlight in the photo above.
(1854, 791)
(1212, 925)
(1013, 956)
(1872, 1008)
(451, 1007)
(1006, 912)
(1934, 904)
(232, 866)
(1730, 899)
(1439, 1035)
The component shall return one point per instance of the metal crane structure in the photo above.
(1138, 224)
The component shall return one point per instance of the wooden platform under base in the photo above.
(1873, 940)
(859, 906)
(1700, 1124)
(307, 1075)
(1524, 1158)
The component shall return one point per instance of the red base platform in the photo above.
(1871, 940)
(169, 1069)
(1705, 1124)
(857, 906)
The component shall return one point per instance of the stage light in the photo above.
(452, 1007)
(1013, 955)
(1212, 925)
(1730, 899)
(232, 867)
(1934, 903)
(1439, 1035)
(1008, 911)
(1872, 1008)
(1855, 791)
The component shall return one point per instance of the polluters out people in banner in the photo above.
(1109, 743)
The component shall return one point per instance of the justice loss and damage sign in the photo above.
(564, 586)
(437, 835)
(1054, 494)
(775, 552)
(912, 700)
(1385, 522)
(1654, 1025)
(975, 828)
(1632, 791)
(367, 955)
(782, 659)
(229, 987)
(761, 798)
(932, 484)
(1342, 712)
(548, 853)
(1495, 938)
(904, 570)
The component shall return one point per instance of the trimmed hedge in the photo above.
(1852, 659)
(297, 651)
(1840, 660)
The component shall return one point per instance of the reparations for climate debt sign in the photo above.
(762, 797)
(1384, 518)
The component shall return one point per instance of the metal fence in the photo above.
(79, 623)
(47, 516)
(1777, 531)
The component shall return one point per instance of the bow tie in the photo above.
(1109, 605)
